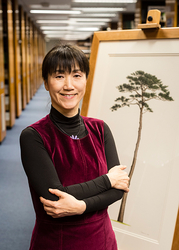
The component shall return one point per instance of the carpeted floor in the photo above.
(16, 211)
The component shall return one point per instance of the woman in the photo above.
(71, 163)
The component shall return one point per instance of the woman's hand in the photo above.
(67, 205)
(119, 178)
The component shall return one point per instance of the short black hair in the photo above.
(64, 57)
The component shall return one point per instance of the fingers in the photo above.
(49, 206)
(56, 192)
(123, 182)
(126, 178)
(42, 200)
(47, 203)
(123, 176)
(122, 167)
(123, 186)
(126, 190)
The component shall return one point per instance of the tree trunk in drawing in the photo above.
(123, 203)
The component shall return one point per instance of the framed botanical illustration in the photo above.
(133, 86)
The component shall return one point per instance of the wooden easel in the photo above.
(149, 31)
(153, 20)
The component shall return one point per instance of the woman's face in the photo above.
(66, 90)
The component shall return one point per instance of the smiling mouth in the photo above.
(68, 96)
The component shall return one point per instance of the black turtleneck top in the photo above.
(97, 193)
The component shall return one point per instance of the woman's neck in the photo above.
(68, 113)
(61, 118)
(72, 126)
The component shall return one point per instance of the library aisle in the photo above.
(16, 212)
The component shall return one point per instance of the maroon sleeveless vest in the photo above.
(75, 161)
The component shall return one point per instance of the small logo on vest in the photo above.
(74, 137)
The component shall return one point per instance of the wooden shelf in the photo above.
(27, 57)
(22, 49)
(9, 61)
(17, 77)
(2, 85)
(23, 57)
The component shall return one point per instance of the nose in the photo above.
(68, 83)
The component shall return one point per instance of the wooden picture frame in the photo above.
(101, 86)
(122, 35)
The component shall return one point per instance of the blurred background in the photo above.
(76, 20)
(28, 30)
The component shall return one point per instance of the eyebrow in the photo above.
(76, 70)
(63, 71)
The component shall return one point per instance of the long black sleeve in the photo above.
(103, 200)
(42, 175)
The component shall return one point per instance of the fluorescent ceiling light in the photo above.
(54, 28)
(52, 21)
(55, 12)
(71, 38)
(70, 22)
(79, 35)
(98, 15)
(51, 6)
(91, 19)
(99, 9)
(105, 1)
(75, 20)
(88, 29)
(66, 32)
(57, 27)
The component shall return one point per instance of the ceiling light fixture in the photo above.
(62, 35)
(88, 29)
(65, 32)
(73, 22)
(52, 21)
(97, 15)
(57, 27)
(67, 12)
(68, 33)
(69, 37)
(71, 28)
(91, 19)
(104, 1)
(51, 6)
(100, 9)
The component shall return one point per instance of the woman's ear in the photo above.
(46, 85)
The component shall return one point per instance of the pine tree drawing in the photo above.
(142, 87)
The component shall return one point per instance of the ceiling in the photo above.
(74, 19)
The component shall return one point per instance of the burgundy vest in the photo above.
(75, 161)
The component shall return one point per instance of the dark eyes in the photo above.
(77, 75)
(58, 76)
(62, 76)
